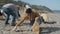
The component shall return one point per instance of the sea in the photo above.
(56, 11)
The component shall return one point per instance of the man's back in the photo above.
(10, 5)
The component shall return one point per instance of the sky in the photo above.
(52, 4)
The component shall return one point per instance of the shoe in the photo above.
(12, 25)
(6, 23)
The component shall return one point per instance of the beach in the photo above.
(24, 27)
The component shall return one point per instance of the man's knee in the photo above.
(36, 18)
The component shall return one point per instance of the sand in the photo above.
(25, 28)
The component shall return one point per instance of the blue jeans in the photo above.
(9, 12)
(31, 23)
(40, 20)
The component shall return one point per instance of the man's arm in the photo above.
(19, 22)
(3, 13)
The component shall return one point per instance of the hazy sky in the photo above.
(52, 4)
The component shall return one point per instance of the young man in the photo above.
(10, 9)
(33, 16)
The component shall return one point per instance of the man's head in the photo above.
(29, 10)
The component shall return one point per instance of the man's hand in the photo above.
(14, 28)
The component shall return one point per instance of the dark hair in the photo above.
(28, 10)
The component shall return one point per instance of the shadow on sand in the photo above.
(47, 30)
(50, 22)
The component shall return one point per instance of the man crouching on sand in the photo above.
(34, 18)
